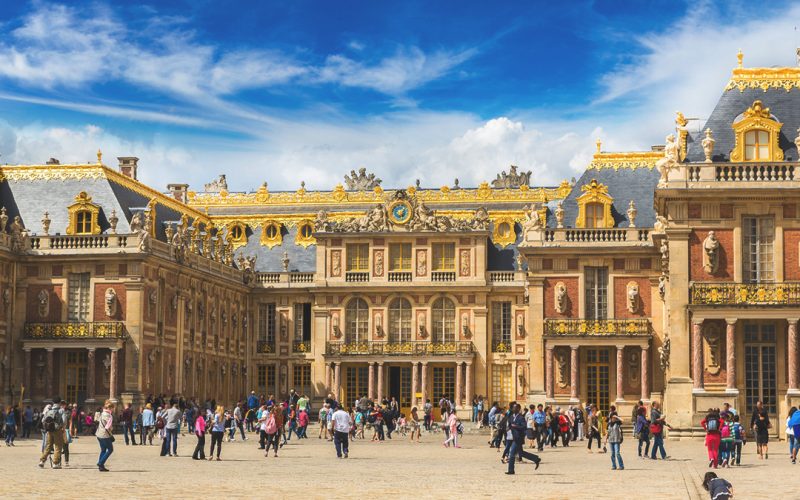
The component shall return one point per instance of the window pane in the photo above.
(596, 292)
(358, 257)
(763, 152)
(763, 137)
(357, 320)
(400, 320)
(444, 318)
(400, 257)
(444, 256)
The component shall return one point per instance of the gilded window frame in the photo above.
(757, 117)
(83, 203)
(594, 192)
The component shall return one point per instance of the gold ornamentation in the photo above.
(83, 207)
(271, 234)
(764, 79)
(738, 294)
(236, 234)
(630, 160)
(400, 211)
(504, 231)
(757, 117)
(683, 133)
(305, 233)
(591, 327)
(594, 192)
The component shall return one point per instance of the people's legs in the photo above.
(174, 441)
(219, 443)
(66, 451)
(240, 425)
(109, 449)
(337, 443)
(47, 446)
(198, 449)
(738, 452)
(345, 443)
(614, 448)
(512, 455)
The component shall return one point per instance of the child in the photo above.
(738, 441)
(323, 422)
(401, 424)
(718, 488)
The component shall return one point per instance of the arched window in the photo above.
(357, 321)
(756, 145)
(444, 320)
(595, 215)
(399, 320)
(83, 222)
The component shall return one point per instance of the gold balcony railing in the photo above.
(76, 330)
(301, 346)
(265, 347)
(422, 348)
(745, 294)
(592, 327)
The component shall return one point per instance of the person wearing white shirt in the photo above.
(341, 431)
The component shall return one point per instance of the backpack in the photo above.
(271, 427)
(578, 415)
(160, 423)
(712, 425)
(52, 420)
(725, 432)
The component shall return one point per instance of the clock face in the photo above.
(400, 212)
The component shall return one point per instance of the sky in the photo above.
(289, 91)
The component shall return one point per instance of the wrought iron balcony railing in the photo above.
(416, 347)
(501, 345)
(265, 347)
(301, 346)
(592, 327)
(745, 294)
(76, 330)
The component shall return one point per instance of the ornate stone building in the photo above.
(659, 275)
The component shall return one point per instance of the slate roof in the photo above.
(271, 259)
(624, 185)
(784, 106)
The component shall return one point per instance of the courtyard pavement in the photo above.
(392, 469)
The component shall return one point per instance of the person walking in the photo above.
(414, 423)
(593, 423)
(105, 437)
(711, 424)
(516, 433)
(614, 438)
(217, 432)
(200, 432)
(11, 427)
(172, 426)
(452, 424)
(790, 438)
(27, 422)
(761, 425)
(657, 424)
(148, 424)
(271, 427)
(341, 431)
(127, 425)
(739, 440)
(53, 434)
(642, 432)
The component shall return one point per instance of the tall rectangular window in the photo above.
(758, 235)
(358, 257)
(266, 322)
(266, 380)
(501, 326)
(400, 257)
(302, 322)
(596, 292)
(78, 294)
(444, 257)
(301, 379)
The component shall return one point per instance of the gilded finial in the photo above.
(740, 57)
(99, 157)
(599, 144)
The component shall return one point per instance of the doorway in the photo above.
(759, 366)
(597, 370)
(400, 386)
(75, 376)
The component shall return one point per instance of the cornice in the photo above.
(627, 160)
(764, 79)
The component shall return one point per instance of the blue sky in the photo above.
(302, 90)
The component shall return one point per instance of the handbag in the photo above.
(112, 438)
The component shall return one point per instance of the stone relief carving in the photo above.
(43, 302)
(361, 181)
(337, 332)
(520, 325)
(711, 253)
(714, 341)
(217, 185)
(110, 302)
(561, 364)
(464, 262)
(632, 296)
(633, 365)
(664, 249)
(708, 145)
(378, 264)
(19, 235)
(663, 354)
(561, 297)
(512, 179)
(422, 263)
(533, 221)
(670, 160)
(4, 218)
(379, 325)
(521, 380)
(662, 286)
(465, 326)
(423, 332)
(336, 263)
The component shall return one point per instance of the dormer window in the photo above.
(594, 207)
(83, 215)
(595, 215)
(756, 131)
(83, 222)
(756, 145)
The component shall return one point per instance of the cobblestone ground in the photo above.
(395, 467)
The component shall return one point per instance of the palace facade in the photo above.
(670, 275)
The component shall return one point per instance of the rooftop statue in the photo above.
(217, 185)
(670, 160)
(361, 181)
(512, 179)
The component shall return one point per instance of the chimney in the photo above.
(128, 165)
(53, 161)
(178, 191)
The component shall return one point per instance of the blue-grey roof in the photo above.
(624, 185)
(271, 259)
(784, 106)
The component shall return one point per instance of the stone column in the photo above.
(548, 372)
(371, 381)
(90, 380)
(380, 381)
(697, 355)
(112, 376)
(459, 385)
(620, 378)
(328, 383)
(468, 378)
(414, 383)
(793, 354)
(26, 374)
(337, 381)
(573, 374)
(645, 375)
(730, 347)
(424, 382)
(49, 375)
